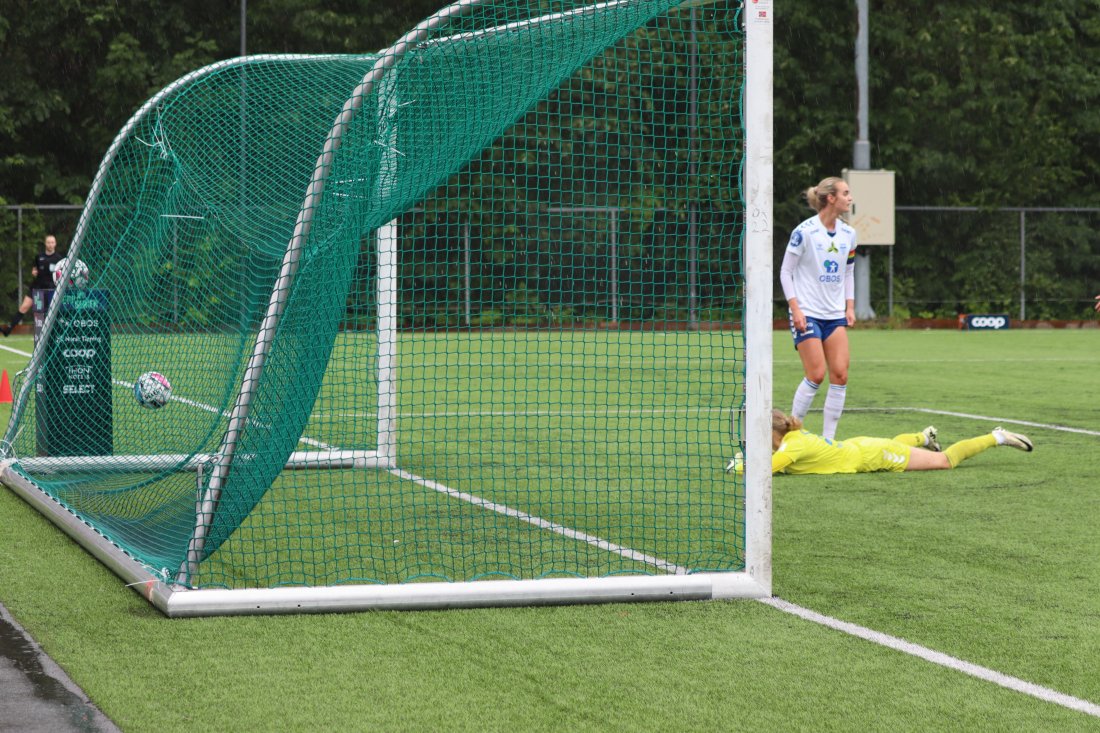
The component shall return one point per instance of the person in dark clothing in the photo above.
(45, 263)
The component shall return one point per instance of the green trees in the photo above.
(972, 103)
(74, 71)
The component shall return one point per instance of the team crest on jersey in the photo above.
(796, 239)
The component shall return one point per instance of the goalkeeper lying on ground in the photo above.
(796, 451)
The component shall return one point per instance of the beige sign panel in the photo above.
(872, 213)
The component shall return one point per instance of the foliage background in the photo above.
(972, 103)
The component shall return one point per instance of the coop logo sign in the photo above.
(987, 322)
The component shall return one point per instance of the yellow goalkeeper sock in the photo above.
(969, 448)
(914, 439)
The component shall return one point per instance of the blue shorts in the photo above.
(817, 328)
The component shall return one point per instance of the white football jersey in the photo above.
(823, 260)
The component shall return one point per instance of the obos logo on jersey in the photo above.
(987, 322)
(832, 267)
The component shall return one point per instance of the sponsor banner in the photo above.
(73, 406)
(985, 321)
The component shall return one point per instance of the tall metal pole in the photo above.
(243, 163)
(19, 251)
(861, 158)
(1023, 265)
(693, 175)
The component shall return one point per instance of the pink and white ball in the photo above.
(152, 390)
(78, 276)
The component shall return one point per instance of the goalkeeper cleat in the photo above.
(736, 464)
(1014, 440)
(930, 441)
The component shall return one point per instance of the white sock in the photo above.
(834, 406)
(803, 398)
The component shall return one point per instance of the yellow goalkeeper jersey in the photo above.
(804, 452)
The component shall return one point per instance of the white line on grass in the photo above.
(614, 412)
(969, 416)
(941, 360)
(944, 660)
(541, 523)
(601, 412)
(16, 351)
(130, 385)
(892, 642)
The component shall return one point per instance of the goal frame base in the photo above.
(176, 601)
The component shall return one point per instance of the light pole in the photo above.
(861, 158)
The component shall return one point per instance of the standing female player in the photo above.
(818, 282)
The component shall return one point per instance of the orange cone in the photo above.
(5, 388)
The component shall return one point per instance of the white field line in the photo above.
(130, 385)
(599, 412)
(535, 521)
(1012, 683)
(892, 642)
(614, 412)
(985, 418)
(16, 351)
(944, 660)
(934, 360)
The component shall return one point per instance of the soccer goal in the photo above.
(460, 323)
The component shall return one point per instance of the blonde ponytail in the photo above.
(818, 196)
(783, 423)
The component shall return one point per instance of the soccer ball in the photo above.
(152, 390)
(77, 278)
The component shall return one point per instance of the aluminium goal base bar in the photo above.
(176, 601)
(316, 459)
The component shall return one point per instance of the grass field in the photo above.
(995, 563)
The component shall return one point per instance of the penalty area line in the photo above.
(944, 660)
(970, 416)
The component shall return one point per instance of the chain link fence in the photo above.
(22, 229)
(1033, 263)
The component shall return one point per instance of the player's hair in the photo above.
(783, 423)
(818, 196)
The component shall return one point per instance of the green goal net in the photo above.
(469, 309)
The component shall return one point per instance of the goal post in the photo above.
(474, 343)
(757, 253)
